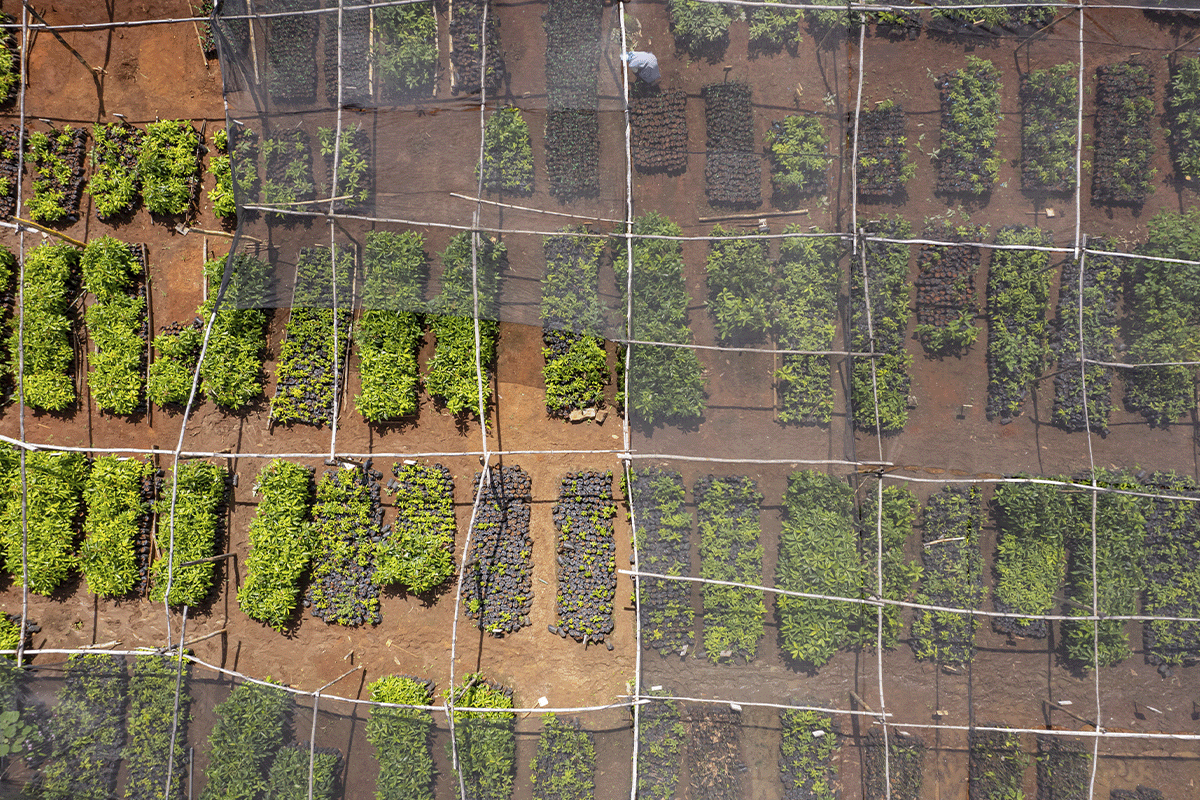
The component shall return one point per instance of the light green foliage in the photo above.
(115, 322)
(289, 169)
(87, 729)
(1030, 552)
(48, 354)
(249, 732)
(48, 151)
(151, 718)
(660, 751)
(406, 50)
(388, 335)
(418, 554)
(997, 766)
(887, 286)
(699, 26)
(401, 737)
(740, 287)
(968, 159)
(113, 184)
(198, 500)
(899, 573)
(54, 497)
(664, 533)
(798, 146)
(486, 740)
(353, 153)
(281, 543)
(507, 155)
(1183, 101)
(169, 165)
(818, 554)
(775, 28)
(289, 775)
(1172, 584)
(1018, 292)
(576, 368)
(564, 766)
(10, 64)
(805, 318)
(116, 509)
(806, 764)
(241, 161)
(668, 382)
(727, 512)
(451, 375)
(1049, 99)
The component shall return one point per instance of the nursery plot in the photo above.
(348, 522)
(576, 368)
(498, 591)
(659, 129)
(727, 512)
(347, 36)
(58, 159)
(291, 41)
(732, 171)
(587, 579)
(714, 759)
(417, 551)
(664, 534)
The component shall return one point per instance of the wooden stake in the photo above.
(760, 215)
(44, 229)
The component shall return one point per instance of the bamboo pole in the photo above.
(532, 210)
(49, 231)
(719, 217)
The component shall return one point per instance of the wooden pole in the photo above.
(719, 217)
(46, 230)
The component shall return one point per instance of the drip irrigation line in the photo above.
(1079, 145)
(1051, 482)
(1101, 733)
(1139, 256)
(882, 602)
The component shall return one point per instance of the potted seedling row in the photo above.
(659, 767)
(349, 30)
(953, 576)
(798, 149)
(10, 176)
(714, 759)
(352, 152)
(190, 525)
(1183, 117)
(946, 304)
(388, 335)
(576, 364)
(405, 50)
(1018, 291)
(497, 590)
(564, 765)
(727, 512)
(10, 62)
(883, 165)
(115, 554)
(402, 737)
(997, 765)
(485, 742)
(1031, 555)
(740, 287)
(1172, 568)
(299, 765)
(467, 50)
(58, 158)
(507, 154)
(664, 536)
(234, 168)
(732, 172)
(881, 399)
(573, 152)
(114, 273)
(668, 382)
(251, 727)
(1064, 767)
(169, 166)
(49, 357)
(1049, 99)
(291, 49)
(893, 766)
(587, 577)
(1121, 173)
(159, 700)
(348, 527)
(806, 311)
(807, 748)
(1101, 298)
(968, 158)
(702, 29)
(899, 511)
(288, 179)
(658, 129)
(417, 550)
(572, 53)
(115, 180)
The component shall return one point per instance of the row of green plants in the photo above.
(946, 305)
(353, 155)
(53, 494)
(388, 334)
(418, 552)
(1172, 572)
(405, 49)
(114, 274)
(169, 166)
(152, 721)
(1183, 107)
(1049, 100)
(805, 318)
(576, 364)
(564, 766)
(740, 297)
(485, 741)
(402, 738)
(663, 737)
(199, 490)
(115, 181)
(953, 576)
(1031, 556)
(252, 723)
(668, 382)
(1097, 308)
(452, 376)
(663, 533)
(114, 555)
(879, 393)
(234, 168)
(807, 749)
(900, 574)
(997, 765)
(968, 159)
(727, 512)
(1124, 133)
(281, 543)
(507, 155)
(288, 176)
(347, 520)
(798, 149)
(295, 765)
(699, 27)
(58, 156)
(50, 275)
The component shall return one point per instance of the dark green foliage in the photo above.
(291, 51)
(1120, 560)
(467, 51)
(151, 717)
(169, 166)
(289, 170)
(740, 287)
(1164, 298)
(953, 576)
(1064, 769)
(289, 775)
(564, 767)
(660, 750)
(883, 165)
(727, 512)
(316, 339)
(664, 533)
(1172, 586)
(58, 156)
(87, 731)
(117, 493)
(968, 159)
(354, 179)
(576, 369)
(1030, 553)
(1101, 296)
(452, 376)
(1124, 134)
(805, 316)
(418, 554)
(818, 554)
(903, 765)
(1183, 106)
(700, 27)
(797, 146)
(388, 335)
(899, 573)
(806, 755)
(573, 152)
(402, 738)
(347, 37)
(53, 493)
(406, 49)
(997, 770)
(251, 725)
(346, 520)
(572, 52)
(1018, 292)
(775, 28)
(1049, 99)
(886, 284)
(281, 544)
(667, 382)
(714, 761)
(201, 493)
(497, 588)
(587, 578)
(10, 63)
(113, 273)
(48, 354)
(486, 740)
(946, 305)
(115, 181)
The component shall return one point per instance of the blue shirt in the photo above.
(644, 65)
